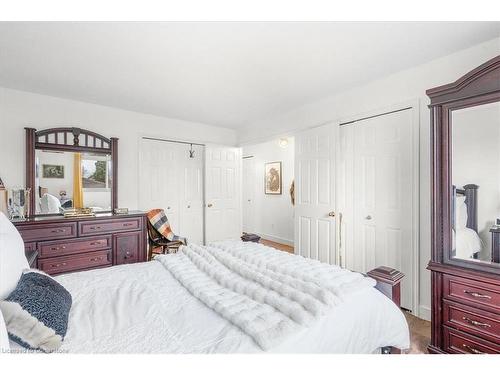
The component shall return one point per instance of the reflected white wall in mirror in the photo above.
(55, 181)
(475, 161)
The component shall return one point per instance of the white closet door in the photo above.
(248, 203)
(223, 218)
(315, 193)
(191, 200)
(158, 178)
(379, 215)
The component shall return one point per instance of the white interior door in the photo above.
(191, 197)
(159, 179)
(376, 195)
(223, 217)
(248, 202)
(315, 193)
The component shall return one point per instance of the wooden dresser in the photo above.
(465, 287)
(76, 244)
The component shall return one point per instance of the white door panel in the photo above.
(171, 180)
(248, 203)
(223, 193)
(315, 193)
(377, 166)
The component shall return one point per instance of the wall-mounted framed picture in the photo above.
(273, 178)
(52, 171)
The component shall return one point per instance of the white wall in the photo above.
(476, 160)
(55, 185)
(19, 109)
(272, 214)
(401, 87)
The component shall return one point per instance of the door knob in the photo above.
(331, 214)
(210, 205)
(369, 217)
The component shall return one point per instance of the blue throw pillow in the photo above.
(36, 312)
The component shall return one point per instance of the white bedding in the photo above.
(142, 308)
(467, 243)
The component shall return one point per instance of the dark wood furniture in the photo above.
(76, 244)
(69, 139)
(388, 283)
(465, 292)
(58, 245)
(495, 243)
(159, 244)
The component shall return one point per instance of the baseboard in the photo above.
(280, 240)
(424, 312)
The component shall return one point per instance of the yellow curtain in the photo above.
(77, 181)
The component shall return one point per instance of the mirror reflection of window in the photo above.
(476, 182)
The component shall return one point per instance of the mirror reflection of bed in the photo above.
(476, 183)
(67, 180)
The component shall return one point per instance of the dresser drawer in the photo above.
(74, 246)
(472, 320)
(107, 226)
(75, 262)
(460, 342)
(478, 293)
(40, 232)
(128, 247)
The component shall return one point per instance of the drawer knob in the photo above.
(95, 259)
(58, 231)
(471, 349)
(476, 323)
(95, 227)
(95, 243)
(127, 224)
(58, 265)
(477, 295)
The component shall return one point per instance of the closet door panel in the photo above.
(191, 203)
(382, 177)
(314, 213)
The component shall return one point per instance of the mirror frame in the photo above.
(479, 86)
(68, 139)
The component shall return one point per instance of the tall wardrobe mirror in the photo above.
(475, 176)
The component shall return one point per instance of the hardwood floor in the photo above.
(420, 330)
(277, 245)
(420, 334)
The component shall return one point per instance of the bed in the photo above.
(145, 308)
(466, 240)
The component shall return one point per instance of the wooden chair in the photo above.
(159, 244)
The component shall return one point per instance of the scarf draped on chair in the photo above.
(159, 221)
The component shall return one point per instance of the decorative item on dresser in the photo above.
(464, 266)
(76, 244)
(60, 239)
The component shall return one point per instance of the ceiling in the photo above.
(224, 74)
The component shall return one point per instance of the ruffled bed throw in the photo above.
(270, 295)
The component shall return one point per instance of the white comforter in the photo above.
(142, 308)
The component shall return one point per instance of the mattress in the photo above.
(142, 308)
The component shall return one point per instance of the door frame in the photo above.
(414, 106)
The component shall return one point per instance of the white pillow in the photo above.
(12, 258)
(50, 204)
(460, 212)
(4, 337)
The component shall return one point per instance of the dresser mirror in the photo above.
(70, 168)
(475, 175)
(67, 180)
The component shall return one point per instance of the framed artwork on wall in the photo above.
(52, 171)
(273, 178)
